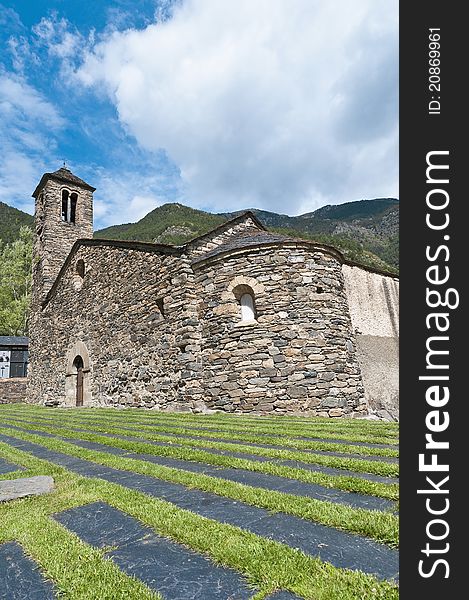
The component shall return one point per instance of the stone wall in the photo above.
(160, 327)
(374, 307)
(136, 356)
(13, 390)
(54, 237)
(299, 355)
(155, 330)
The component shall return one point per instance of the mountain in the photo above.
(379, 217)
(366, 231)
(11, 220)
(167, 224)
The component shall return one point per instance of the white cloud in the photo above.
(274, 104)
(122, 196)
(20, 103)
(28, 123)
(55, 34)
(139, 206)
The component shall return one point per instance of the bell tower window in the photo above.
(69, 206)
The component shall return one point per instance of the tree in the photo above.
(15, 283)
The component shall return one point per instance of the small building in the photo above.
(13, 356)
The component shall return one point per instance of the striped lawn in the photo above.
(267, 565)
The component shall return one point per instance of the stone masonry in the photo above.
(13, 390)
(161, 327)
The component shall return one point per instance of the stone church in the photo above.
(239, 319)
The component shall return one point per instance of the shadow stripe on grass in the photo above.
(339, 548)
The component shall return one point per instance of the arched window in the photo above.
(73, 206)
(69, 206)
(244, 294)
(79, 275)
(65, 195)
(248, 312)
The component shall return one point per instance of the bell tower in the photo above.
(63, 215)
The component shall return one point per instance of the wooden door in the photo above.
(80, 386)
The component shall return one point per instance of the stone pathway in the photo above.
(337, 547)
(165, 566)
(390, 459)
(262, 445)
(217, 430)
(244, 455)
(255, 479)
(20, 578)
(234, 454)
(252, 478)
(8, 467)
(90, 429)
(11, 489)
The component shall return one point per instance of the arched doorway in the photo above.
(78, 364)
(78, 376)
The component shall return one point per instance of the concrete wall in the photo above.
(373, 301)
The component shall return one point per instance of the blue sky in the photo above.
(219, 105)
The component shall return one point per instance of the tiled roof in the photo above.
(65, 175)
(248, 238)
(11, 340)
(225, 225)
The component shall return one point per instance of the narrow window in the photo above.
(244, 295)
(80, 267)
(73, 206)
(247, 308)
(69, 206)
(65, 196)
(160, 305)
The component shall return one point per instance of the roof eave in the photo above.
(228, 223)
(48, 176)
(292, 242)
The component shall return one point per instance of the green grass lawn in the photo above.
(81, 571)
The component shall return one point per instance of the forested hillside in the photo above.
(366, 232)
